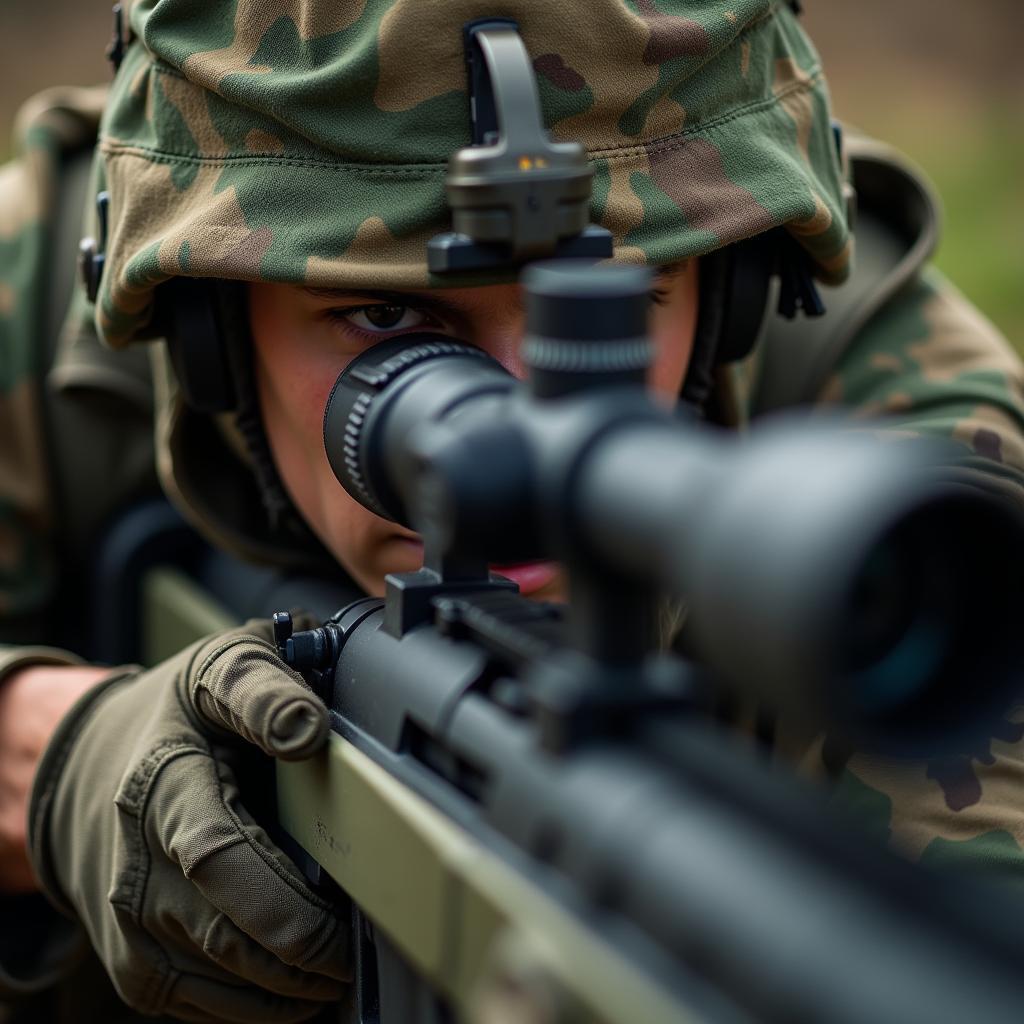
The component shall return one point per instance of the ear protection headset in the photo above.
(202, 339)
(735, 294)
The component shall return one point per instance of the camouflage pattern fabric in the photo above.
(290, 142)
(52, 123)
(963, 812)
(935, 366)
(932, 365)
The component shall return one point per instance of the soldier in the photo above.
(301, 151)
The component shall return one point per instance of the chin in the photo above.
(555, 593)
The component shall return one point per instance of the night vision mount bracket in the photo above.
(514, 194)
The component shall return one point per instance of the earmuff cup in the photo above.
(192, 314)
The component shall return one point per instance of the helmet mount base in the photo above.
(515, 195)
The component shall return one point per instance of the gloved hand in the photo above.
(137, 827)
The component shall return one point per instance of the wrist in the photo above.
(33, 700)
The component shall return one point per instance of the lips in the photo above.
(531, 576)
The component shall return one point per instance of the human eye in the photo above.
(379, 319)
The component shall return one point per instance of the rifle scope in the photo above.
(842, 577)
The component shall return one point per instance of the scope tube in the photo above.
(825, 573)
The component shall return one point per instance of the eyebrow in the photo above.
(669, 270)
(433, 300)
(420, 299)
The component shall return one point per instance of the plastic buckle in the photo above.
(119, 42)
(92, 253)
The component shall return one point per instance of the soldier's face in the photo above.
(303, 338)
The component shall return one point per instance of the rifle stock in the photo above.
(457, 913)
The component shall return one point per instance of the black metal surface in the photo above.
(739, 877)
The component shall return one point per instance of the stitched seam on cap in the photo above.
(815, 76)
(660, 144)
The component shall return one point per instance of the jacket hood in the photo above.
(307, 141)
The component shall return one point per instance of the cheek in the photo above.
(294, 380)
(294, 375)
(295, 370)
(670, 363)
(673, 329)
(302, 394)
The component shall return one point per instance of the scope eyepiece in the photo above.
(362, 402)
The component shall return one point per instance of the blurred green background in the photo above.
(942, 79)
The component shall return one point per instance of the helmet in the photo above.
(308, 142)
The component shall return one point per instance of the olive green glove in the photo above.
(137, 827)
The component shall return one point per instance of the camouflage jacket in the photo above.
(72, 414)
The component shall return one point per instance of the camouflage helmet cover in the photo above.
(307, 141)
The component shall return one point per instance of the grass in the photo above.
(975, 159)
